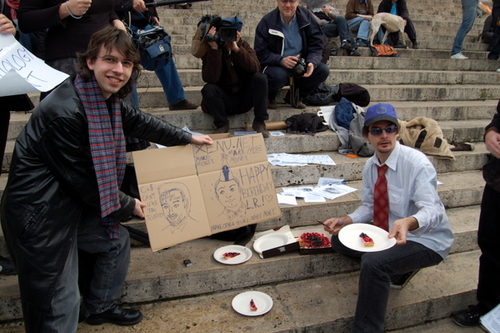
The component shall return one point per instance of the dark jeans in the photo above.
(338, 27)
(488, 288)
(219, 103)
(112, 258)
(409, 30)
(495, 41)
(374, 278)
(278, 77)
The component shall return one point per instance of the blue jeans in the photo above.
(111, 264)
(360, 25)
(468, 18)
(170, 82)
(374, 278)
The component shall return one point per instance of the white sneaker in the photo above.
(498, 70)
(459, 55)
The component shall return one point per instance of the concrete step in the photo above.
(309, 304)
(408, 59)
(457, 131)
(480, 112)
(155, 97)
(390, 76)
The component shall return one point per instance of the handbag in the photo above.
(154, 47)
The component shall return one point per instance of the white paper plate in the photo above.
(349, 236)
(246, 254)
(269, 241)
(241, 303)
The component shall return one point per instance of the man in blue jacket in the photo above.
(282, 37)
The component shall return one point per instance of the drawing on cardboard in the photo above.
(175, 201)
(229, 193)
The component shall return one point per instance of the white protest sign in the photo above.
(21, 72)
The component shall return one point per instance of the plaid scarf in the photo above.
(107, 146)
(14, 7)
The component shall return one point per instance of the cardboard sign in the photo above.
(194, 191)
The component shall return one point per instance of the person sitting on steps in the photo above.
(234, 83)
(284, 36)
(356, 23)
(335, 25)
(398, 7)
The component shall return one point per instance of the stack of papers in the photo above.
(284, 159)
(327, 188)
(491, 320)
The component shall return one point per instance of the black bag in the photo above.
(154, 47)
(321, 95)
(354, 93)
(305, 123)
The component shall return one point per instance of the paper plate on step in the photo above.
(243, 254)
(241, 303)
(269, 241)
(349, 236)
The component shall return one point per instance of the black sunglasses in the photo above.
(376, 131)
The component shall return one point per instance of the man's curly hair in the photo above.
(110, 37)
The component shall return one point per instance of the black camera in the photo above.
(300, 68)
(227, 29)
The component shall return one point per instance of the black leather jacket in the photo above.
(52, 183)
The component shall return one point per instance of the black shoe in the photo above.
(415, 45)
(354, 53)
(116, 315)
(7, 267)
(363, 43)
(346, 45)
(470, 316)
(400, 45)
(400, 281)
(333, 52)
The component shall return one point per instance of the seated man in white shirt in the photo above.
(413, 215)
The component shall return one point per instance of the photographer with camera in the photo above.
(232, 72)
(282, 37)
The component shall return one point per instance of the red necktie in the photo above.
(381, 200)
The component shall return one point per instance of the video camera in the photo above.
(227, 28)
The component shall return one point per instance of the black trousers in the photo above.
(219, 103)
(409, 30)
(488, 288)
(4, 129)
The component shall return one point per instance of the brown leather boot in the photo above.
(260, 127)
(223, 129)
(183, 105)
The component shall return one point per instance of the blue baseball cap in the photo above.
(380, 112)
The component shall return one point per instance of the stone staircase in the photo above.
(315, 293)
